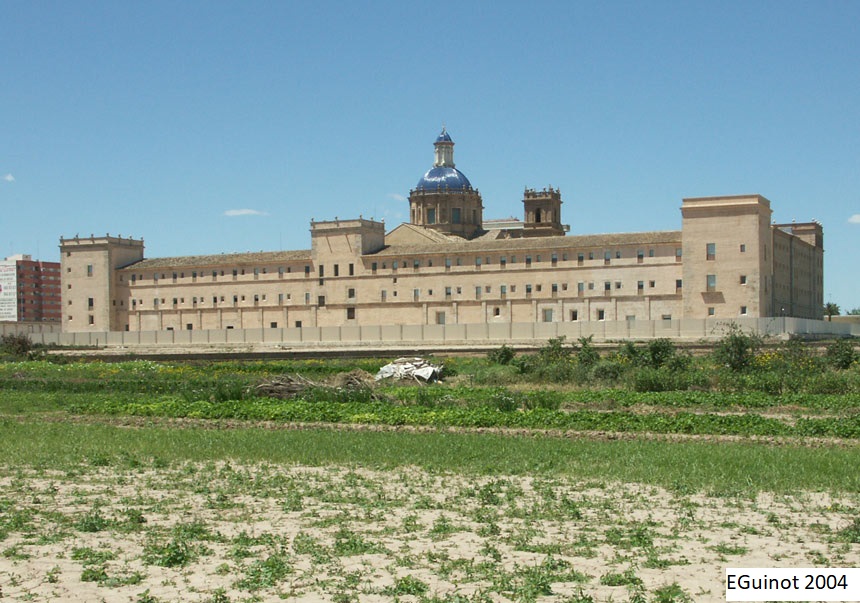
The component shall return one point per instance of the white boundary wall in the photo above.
(486, 334)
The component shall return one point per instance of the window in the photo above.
(431, 216)
(528, 260)
(528, 289)
(352, 270)
(712, 282)
(307, 272)
(89, 271)
(743, 279)
(580, 257)
(350, 313)
(280, 298)
(90, 303)
(383, 295)
(478, 262)
(478, 292)
(607, 257)
(455, 215)
(189, 326)
(652, 284)
(92, 320)
(416, 294)
(373, 267)
(440, 318)
(447, 292)
(640, 286)
(320, 300)
(503, 289)
(555, 288)
(711, 251)
(640, 255)
(590, 255)
(503, 261)
(712, 311)
(298, 324)
(497, 311)
(337, 269)
(574, 315)
(618, 255)
(743, 248)
(273, 325)
(617, 284)
(650, 253)
(416, 263)
(679, 284)
(350, 293)
(601, 315)
(580, 287)
(554, 259)
(743, 310)
(547, 315)
(678, 254)
(607, 286)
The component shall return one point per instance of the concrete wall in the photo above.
(458, 334)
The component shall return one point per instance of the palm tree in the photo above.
(831, 310)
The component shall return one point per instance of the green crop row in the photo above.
(486, 416)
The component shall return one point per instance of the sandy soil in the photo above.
(226, 532)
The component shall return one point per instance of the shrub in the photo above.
(660, 352)
(502, 355)
(15, 345)
(586, 353)
(554, 350)
(736, 349)
(841, 354)
(608, 370)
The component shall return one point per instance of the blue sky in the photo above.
(163, 119)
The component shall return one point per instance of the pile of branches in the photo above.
(284, 386)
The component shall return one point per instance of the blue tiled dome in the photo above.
(444, 137)
(444, 179)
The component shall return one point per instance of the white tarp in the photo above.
(416, 368)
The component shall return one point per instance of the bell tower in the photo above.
(542, 213)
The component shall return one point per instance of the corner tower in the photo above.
(444, 199)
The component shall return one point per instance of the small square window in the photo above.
(743, 279)
(743, 310)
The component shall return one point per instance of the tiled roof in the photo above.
(481, 244)
(223, 259)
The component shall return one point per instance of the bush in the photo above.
(737, 349)
(554, 350)
(660, 352)
(586, 353)
(502, 355)
(15, 345)
(841, 354)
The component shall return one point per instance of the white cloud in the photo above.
(244, 212)
(396, 197)
(855, 219)
(9, 178)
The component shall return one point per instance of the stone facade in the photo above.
(727, 261)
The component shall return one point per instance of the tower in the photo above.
(444, 199)
(542, 213)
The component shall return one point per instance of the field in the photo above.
(554, 477)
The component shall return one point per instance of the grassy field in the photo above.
(154, 482)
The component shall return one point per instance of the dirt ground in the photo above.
(222, 532)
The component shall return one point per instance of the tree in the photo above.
(831, 310)
(853, 312)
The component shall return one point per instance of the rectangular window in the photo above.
(280, 298)
(652, 284)
(440, 318)
(712, 311)
(547, 315)
(416, 264)
(618, 255)
(373, 267)
(528, 260)
(679, 284)
(383, 295)
(528, 289)
(712, 282)
(711, 251)
(607, 286)
(455, 215)
(350, 293)
(678, 254)
(743, 310)
(640, 256)
(580, 287)
(320, 300)
(743, 248)
(337, 269)
(447, 292)
(89, 269)
(352, 270)
(90, 302)
(478, 262)
(574, 315)
(607, 257)
(580, 258)
(350, 313)
(617, 284)
(503, 289)
(273, 325)
(298, 324)
(503, 261)
(447, 263)
(553, 259)
(431, 216)
(601, 315)
(743, 279)
(650, 253)
(416, 294)
(640, 286)
(478, 292)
